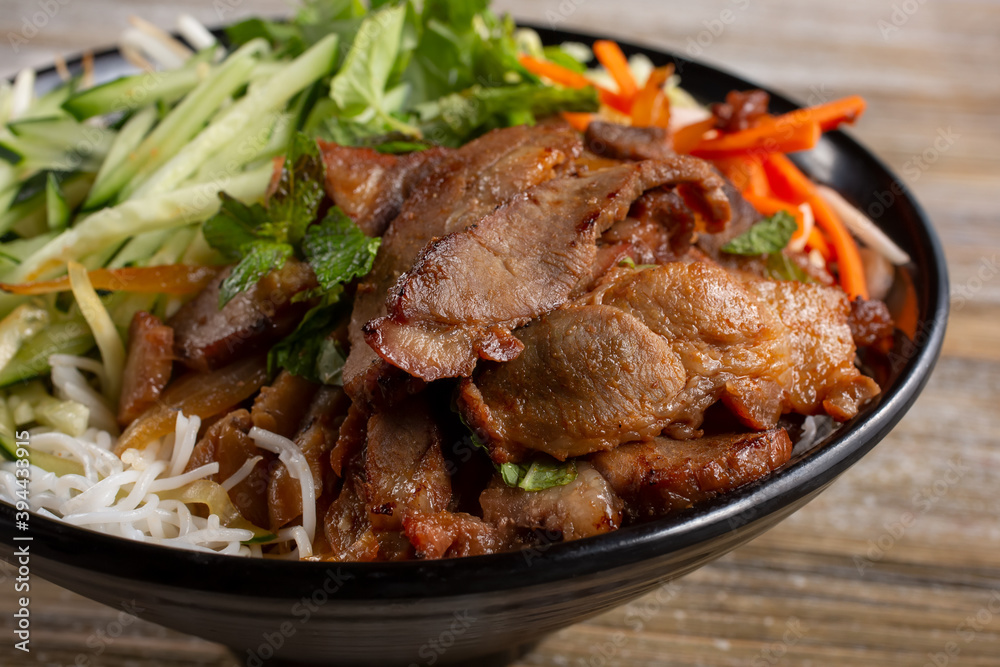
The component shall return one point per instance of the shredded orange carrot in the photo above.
(771, 136)
(615, 100)
(829, 115)
(746, 173)
(818, 242)
(651, 107)
(610, 55)
(769, 206)
(566, 77)
(578, 120)
(166, 279)
(689, 136)
(792, 185)
(554, 72)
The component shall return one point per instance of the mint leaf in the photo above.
(767, 236)
(260, 258)
(234, 227)
(538, 475)
(330, 363)
(337, 250)
(306, 351)
(295, 202)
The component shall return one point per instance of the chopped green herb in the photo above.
(538, 475)
(259, 259)
(300, 352)
(261, 239)
(234, 227)
(337, 250)
(296, 200)
(782, 267)
(767, 236)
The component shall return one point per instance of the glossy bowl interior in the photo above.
(485, 610)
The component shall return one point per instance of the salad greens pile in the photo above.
(443, 72)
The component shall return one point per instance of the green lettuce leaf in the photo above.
(456, 118)
(307, 352)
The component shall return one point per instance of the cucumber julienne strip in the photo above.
(132, 91)
(264, 99)
(32, 359)
(116, 224)
(181, 124)
(127, 141)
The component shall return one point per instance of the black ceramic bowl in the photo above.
(487, 609)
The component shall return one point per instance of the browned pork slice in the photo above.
(822, 375)
(226, 441)
(586, 506)
(458, 191)
(590, 378)
(743, 216)
(316, 435)
(651, 351)
(663, 476)
(280, 407)
(870, 321)
(659, 228)
(404, 466)
(346, 527)
(626, 142)
(467, 290)
(369, 186)
(148, 365)
(207, 337)
(731, 344)
(447, 534)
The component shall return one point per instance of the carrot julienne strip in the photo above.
(830, 114)
(165, 279)
(791, 184)
(554, 72)
(772, 136)
(610, 55)
(652, 106)
(578, 120)
(689, 136)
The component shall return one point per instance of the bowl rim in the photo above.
(222, 575)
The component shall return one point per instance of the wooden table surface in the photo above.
(898, 563)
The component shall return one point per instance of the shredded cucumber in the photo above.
(24, 322)
(133, 91)
(180, 125)
(128, 140)
(113, 225)
(32, 359)
(262, 100)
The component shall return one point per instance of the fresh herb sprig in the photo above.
(261, 239)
